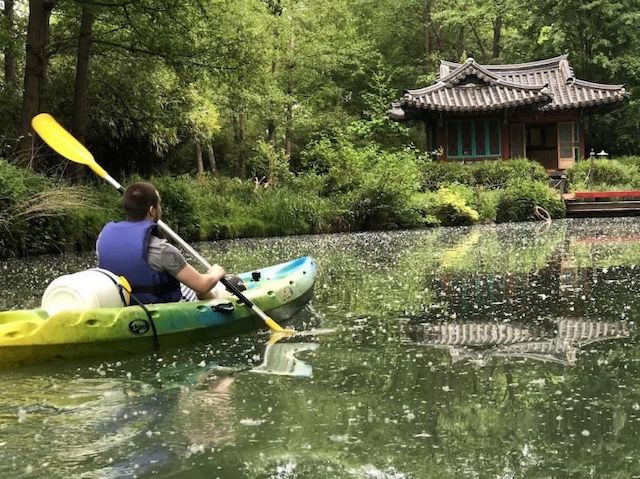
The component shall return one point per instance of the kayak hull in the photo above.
(32, 335)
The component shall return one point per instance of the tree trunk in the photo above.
(461, 44)
(34, 73)
(426, 33)
(199, 157)
(288, 142)
(287, 132)
(497, 36)
(81, 89)
(212, 158)
(271, 132)
(9, 53)
(240, 142)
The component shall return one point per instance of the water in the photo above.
(496, 351)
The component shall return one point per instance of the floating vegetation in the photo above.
(490, 351)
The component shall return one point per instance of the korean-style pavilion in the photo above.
(536, 110)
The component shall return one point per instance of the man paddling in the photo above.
(156, 270)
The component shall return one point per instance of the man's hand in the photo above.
(201, 283)
(216, 272)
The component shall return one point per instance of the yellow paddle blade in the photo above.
(60, 139)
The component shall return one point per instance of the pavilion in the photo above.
(536, 110)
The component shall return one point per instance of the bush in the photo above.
(611, 173)
(438, 172)
(40, 216)
(494, 173)
(230, 208)
(629, 161)
(375, 187)
(499, 173)
(179, 205)
(518, 201)
(269, 163)
(486, 204)
(451, 208)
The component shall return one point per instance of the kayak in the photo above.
(281, 291)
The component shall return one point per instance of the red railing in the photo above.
(589, 195)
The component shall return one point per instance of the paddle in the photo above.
(66, 145)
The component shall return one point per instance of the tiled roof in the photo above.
(471, 87)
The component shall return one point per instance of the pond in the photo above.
(493, 351)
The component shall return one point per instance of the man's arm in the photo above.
(202, 284)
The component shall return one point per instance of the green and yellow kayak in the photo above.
(32, 335)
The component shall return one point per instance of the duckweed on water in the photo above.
(493, 351)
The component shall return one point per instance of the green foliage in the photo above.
(179, 205)
(39, 216)
(604, 174)
(269, 163)
(375, 186)
(230, 208)
(494, 174)
(451, 207)
(498, 173)
(517, 202)
(486, 204)
(438, 172)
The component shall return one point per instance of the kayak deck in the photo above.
(281, 292)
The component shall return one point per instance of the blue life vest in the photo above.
(122, 249)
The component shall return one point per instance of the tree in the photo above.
(35, 72)
(9, 49)
(80, 90)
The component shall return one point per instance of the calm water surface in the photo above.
(496, 351)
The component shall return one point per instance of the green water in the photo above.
(497, 352)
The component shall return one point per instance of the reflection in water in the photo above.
(74, 422)
(479, 342)
(279, 358)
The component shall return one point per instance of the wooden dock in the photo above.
(602, 203)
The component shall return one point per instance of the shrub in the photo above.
(588, 174)
(629, 161)
(494, 173)
(486, 203)
(40, 216)
(499, 173)
(438, 172)
(518, 201)
(467, 193)
(483, 200)
(230, 208)
(374, 186)
(269, 163)
(179, 207)
(451, 209)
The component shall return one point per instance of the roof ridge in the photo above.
(447, 82)
(502, 83)
(603, 86)
(515, 66)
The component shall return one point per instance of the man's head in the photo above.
(142, 201)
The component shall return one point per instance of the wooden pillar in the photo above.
(441, 141)
(582, 131)
(423, 136)
(506, 154)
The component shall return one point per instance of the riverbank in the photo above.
(370, 191)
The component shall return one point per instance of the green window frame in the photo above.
(459, 130)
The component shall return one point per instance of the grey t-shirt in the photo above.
(163, 256)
